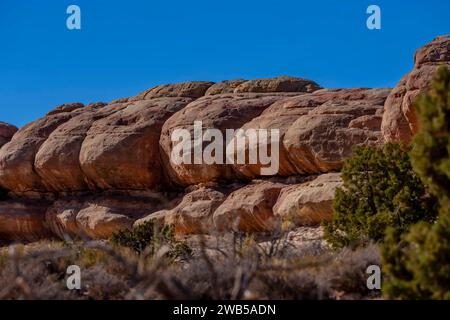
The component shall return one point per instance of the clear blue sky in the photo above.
(127, 46)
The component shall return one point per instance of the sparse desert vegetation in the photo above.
(293, 265)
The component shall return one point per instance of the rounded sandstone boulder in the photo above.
(310, 203)
(249, 209)
(399, 118)
(318, 131)
(223, 112)
(193, 215)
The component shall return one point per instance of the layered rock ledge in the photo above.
(86, 171)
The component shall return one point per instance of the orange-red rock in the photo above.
(193, 215)
(249, 209)
(319, 130)
(309, 203)
(399, 119)
(224, 111)
(121, 151)
(6, 132)
(23, 220)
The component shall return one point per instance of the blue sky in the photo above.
(127, 46)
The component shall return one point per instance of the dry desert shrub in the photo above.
(235, 266)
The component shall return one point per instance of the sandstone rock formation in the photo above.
(322, 139)
(194, 89)
(17, 172)
(97, 216)
(58, 160)
(194, 215)
(399, 120)
(227, 86)
(6, 132)
(319, 130)
(86, 171)
(225, 111)
(23, 220)
(310, 203)
(66, 107)
(121, 151)
(249, 209)
(279, 84)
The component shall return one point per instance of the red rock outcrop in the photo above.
(194, 215)
(66, 107)
(125, 146)
(194, 89)
(319, 130)
(224, 111)
(319, 141)
(309, 203)
(6, 132)
(399, 119)
(249, 209)
(279, 84)
(17, 172)
(227, 86)
(87, 171)
(58, 160)
(23, 220)
(121, 151)
(98, 217)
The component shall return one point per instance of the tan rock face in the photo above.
(66, 107)
(227, 86)
(17, 157)
(194, 215)
(249, 209)
(399, 119)
(58, 160)
(268, 85)
(97, 217)
(310, 203)
(95, 147)
(319, 130)
(194, 89)
(225, 111)
(319, 141)
(108, 153)
(6, 132)
(279, 84)
(121, 151)
(23, 220)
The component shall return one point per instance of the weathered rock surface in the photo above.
(319, 130)
(6, 132)
(319, 141)
(194, 89)
(87, 171)
(121, 151)
(17, 172)
(225, 111)
(58, 160)
(194, 215)
(23, 220)
(249, 209)
(227, 86)
(310, 203)
(279, 84)
(399, 119)
(66, 107)
(97, 217)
